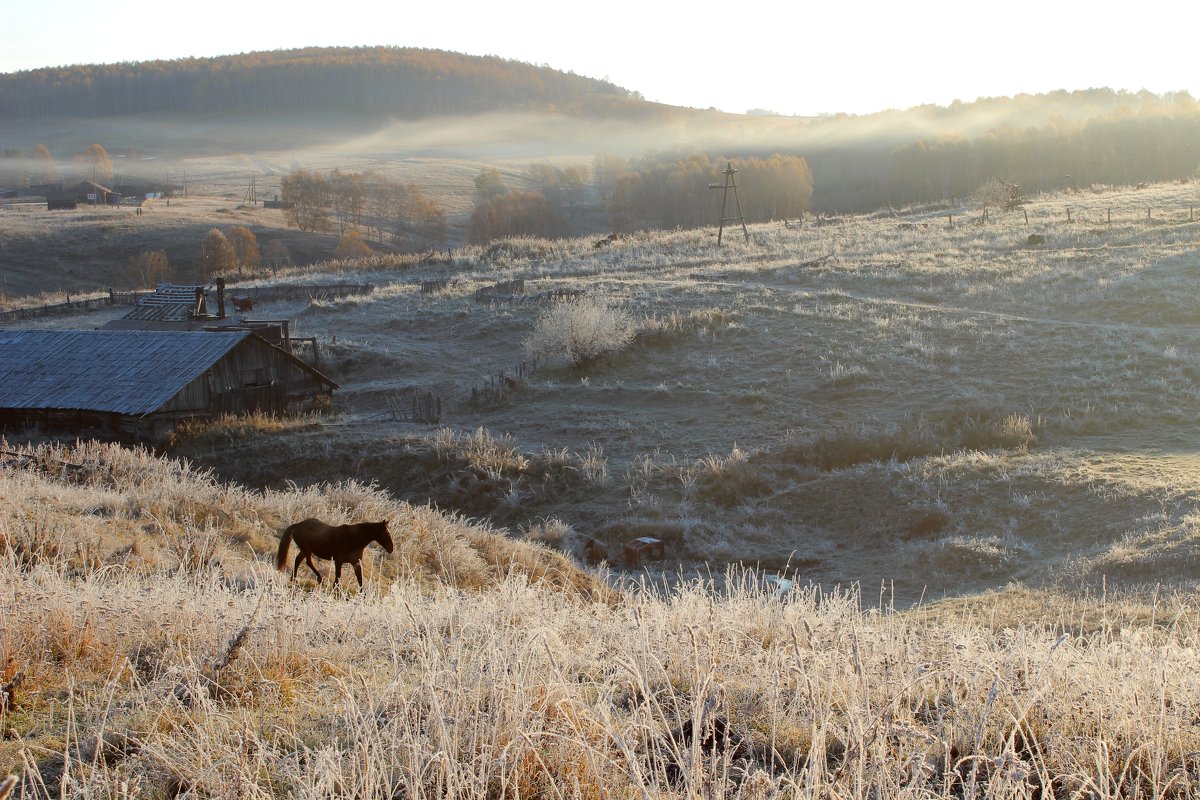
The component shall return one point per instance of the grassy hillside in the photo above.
(945, 408)
(924, 400)
(149, 649)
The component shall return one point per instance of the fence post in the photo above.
(1110, 216)
(1147, 215)
(1068, 215)
(1025, 211)
(951, 218)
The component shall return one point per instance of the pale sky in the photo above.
(793, 56)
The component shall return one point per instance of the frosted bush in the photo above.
(581, 331)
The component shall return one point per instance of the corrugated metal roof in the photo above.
(175, 312)
(169, 302)
(121, 372)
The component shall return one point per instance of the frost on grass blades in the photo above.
(155, 682)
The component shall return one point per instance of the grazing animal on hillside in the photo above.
(344, 544)
(243, 304)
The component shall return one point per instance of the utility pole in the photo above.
(251, 197)
(730, 183)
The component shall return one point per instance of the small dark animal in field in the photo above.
(1035, 238)
(344, 544)
(716, 738)
(243, 304)
(594, 552)
(612, 237)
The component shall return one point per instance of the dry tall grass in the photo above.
(151, 651)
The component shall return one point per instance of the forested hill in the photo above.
(403, 82)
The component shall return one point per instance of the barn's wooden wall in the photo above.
(252, 377)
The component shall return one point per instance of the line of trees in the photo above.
(367, 204)
(654, 193)
(1152, 147)
(408, 82)
(934, 153)
(676, 193)
(38, 167)
(544, 207)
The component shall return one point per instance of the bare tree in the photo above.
(95, 158)
(148, 269)
(245, 246)
(45, 164)
(216, 255)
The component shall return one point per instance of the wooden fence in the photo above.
(301, 291)
(503, 291)
(496, 389)
(115, 298)
(421, 407)
(90, 303)
(540, 298)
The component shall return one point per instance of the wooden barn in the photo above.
(140, 384)
(83, 193)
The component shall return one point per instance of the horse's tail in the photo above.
(285, 541)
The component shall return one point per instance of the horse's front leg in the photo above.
(337, 572)
(358, 573)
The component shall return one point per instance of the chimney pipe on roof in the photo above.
(220, 298)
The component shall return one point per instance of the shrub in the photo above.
(351, 245)
(997, 194)
(514, 249)
(581, 331)
(729, 480)
(551, 532)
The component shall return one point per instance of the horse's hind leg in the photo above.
(358, 573)
(337, 572)
(307, 559)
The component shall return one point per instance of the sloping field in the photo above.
(919, 400)
(150, 649)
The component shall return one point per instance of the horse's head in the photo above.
(384, 537)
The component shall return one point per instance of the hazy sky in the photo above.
(790, 56)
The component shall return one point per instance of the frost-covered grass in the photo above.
(871, 348)
(213, 675)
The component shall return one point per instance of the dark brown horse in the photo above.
(342, 543)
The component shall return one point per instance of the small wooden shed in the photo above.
(643, 548)
(139, 385)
